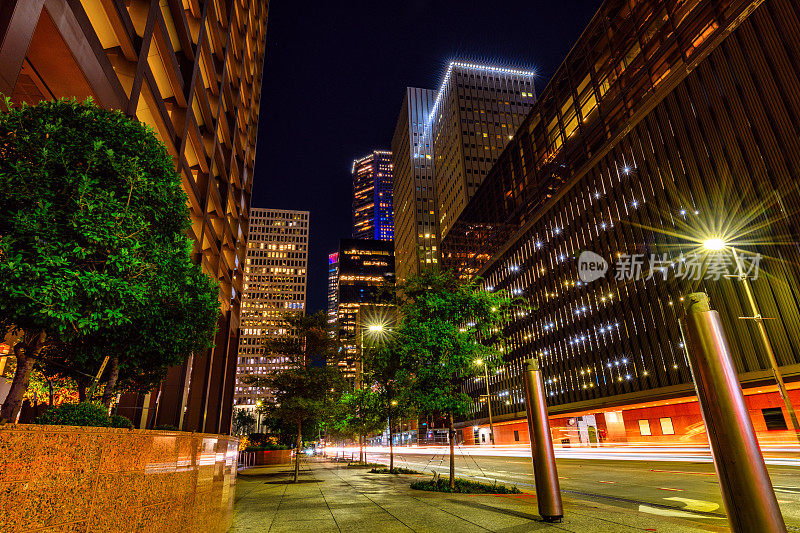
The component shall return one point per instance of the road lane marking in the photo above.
(669, 488)
(695, 505)
(675, 513)
(680, 472)
(609, 482)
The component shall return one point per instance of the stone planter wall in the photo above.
(273, 457)
(103, 479)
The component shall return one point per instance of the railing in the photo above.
(246, 460)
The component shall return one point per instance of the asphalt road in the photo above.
(686, 489)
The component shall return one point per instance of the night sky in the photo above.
(335, 76)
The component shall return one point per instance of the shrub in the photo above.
(118, 421)
(258, 439)
(395, 470)
(463, 486)
(166, 427)
(363, 465)
(76, 414)
(266, 448)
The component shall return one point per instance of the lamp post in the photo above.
(373, 329)
(718, 244)
(488, 397)
(392, 404)
(258, 410)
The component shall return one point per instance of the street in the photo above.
(685, 488)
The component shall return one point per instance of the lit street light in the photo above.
(716, 244)
(488, 397)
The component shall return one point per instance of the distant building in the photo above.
(444, 144)
(333, 287)
(274, 287)
(364, 267)
(192, 72)
(373, 215)
(416, 226)
(477, 111)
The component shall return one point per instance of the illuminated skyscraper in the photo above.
(364, 266)
(333, 287)
(444, 144)
(373, 215)
(476, 112)
(274, 287)
(192, 72)
(415, 221)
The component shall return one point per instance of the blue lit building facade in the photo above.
(373, 209)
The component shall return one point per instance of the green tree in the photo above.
(177, 318)
(448, 324)
(360, 413)
(391, 382)
(306, 390)
(243, 421)
(93, 223)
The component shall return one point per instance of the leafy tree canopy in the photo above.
(448, 326)
(94, 256)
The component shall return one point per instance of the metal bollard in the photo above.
(548, 492)
(746, 488)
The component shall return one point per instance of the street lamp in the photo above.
(716, 244)
(258, 410)
(377, 330)
(488, 397)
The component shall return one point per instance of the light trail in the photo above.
(783, 455)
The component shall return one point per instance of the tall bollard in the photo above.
(548, 492)
(743, 478)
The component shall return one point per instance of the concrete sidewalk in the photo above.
(330, 497)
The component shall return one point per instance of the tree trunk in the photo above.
(80, 381)
(22, 377)
(111, 381)
(360, 449)
(452, 434)
(391, 446)
(297, 452)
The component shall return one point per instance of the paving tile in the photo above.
(352, 500)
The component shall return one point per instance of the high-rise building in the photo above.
(365, 266)
(333, 288)
(416, 226)
(373, 215)
(192, 72)
(444, 143)
(476, 112)
(679, 126)
(274, 287)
